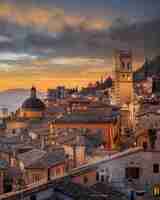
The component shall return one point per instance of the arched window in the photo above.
(123, 65)
(102, 178)
(97, 176)
(129, 65)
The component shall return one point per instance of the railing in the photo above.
(41, 185)
(31, 189)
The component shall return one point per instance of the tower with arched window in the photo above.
(123, 77)
(123, 83)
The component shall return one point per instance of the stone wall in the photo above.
(144, 160)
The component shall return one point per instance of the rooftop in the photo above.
(33, 103)
(79, 100)
(30, 157)
(77, 191)
(88, 117)
(49, 159)
(15, 144)
(149, 109)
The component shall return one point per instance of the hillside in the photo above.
(149, 68)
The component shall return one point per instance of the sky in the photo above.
(54, 42)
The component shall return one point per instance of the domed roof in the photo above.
(33, 103)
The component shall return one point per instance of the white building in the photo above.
(133, 168)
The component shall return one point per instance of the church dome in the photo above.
(33, 103)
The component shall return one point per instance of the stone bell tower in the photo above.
(123, 85)
(123, 78)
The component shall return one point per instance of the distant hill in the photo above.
(13, 98)
(149, 68)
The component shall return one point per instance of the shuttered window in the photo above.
(132, 172)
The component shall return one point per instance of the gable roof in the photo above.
(49, 159)
(31, 156)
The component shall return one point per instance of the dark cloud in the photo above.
(137, 8)
(61, 38)
(142, 36)
(80, 42)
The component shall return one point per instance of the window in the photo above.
(85, 180)
(97, 176)
(58, 171)
(129, 65)
(145, 145)
(132, 172)
(102, 178)
(36, 178)
(123, 65)
(155, 168)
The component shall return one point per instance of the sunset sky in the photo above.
(53, 42)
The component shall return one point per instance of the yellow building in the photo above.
(108, 122)
(32, 107)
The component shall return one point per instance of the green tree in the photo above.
(20, 183)
(7, 183)
(152, 133)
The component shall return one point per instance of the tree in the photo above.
(108, 82)
(152, 133)
(98, 85)
(20, 183)
(7, 183)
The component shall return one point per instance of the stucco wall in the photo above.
(91, 178)
(143, 160)
(31, 114)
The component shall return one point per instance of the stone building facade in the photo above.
(133, 167)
